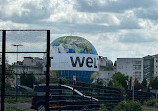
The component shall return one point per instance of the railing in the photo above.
(88, 101)
(139, 96)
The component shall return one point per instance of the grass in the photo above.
(149, 108)
(20, 99)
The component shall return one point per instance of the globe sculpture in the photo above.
(73, 56)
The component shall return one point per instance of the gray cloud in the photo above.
(27, 13)
(117, 6)
(134, 37)
(129, 21)
(147, 13)
(97, 26)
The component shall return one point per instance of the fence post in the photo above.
(133, 93)
(91, 92)
(83, 85)
(105, 88)
(3, 70)
(73, 92)
(48, 70)
(60, 94)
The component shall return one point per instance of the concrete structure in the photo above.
(30, 65)
(148, 66)
(155, 65)
(132, 67)
(0, 59)
(106, 70)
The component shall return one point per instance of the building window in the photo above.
(136, 67)
(137, 62)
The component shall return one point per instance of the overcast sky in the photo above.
(116, 28)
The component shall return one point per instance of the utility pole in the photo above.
(133, 80)
(16, 77)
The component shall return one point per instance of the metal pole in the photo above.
(91, 92)
(16, 78)
(128, 82)
(17, 52)
(16, 75)
(133, 91)
(156, 95)
(3, 70)
(60, 93)
(48, 70)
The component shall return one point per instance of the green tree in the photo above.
(110, 83)
(99, 82)
(154, 83)
(120, 80)
(144, 85)
(116, 84)
(28, 79)
(8, 74)
(9, 71)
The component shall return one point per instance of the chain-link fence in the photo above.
(21, 60)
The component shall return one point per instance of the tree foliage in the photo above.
(99, 82)
(128, 106)
(154, 83)
(28, 80)
(119, 80)
(9, 72)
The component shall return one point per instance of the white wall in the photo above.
(131, 67)
(155, 66)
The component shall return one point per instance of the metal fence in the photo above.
(90, 96)
(72, 95)
(139, 96)
(35, 43)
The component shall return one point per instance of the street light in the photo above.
(16, 89)
(17, 45)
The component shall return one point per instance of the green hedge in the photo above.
(151, 102)
(103, 108)
(128, 106)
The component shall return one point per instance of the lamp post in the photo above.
(16, 89)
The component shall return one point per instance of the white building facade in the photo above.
(30, 65)
(105, 70)
(132, 67)
(156, 66)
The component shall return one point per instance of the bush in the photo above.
(128, 106)
(103, 108)
(156, 105)
(151, 102)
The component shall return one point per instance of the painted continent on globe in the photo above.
(72, 44)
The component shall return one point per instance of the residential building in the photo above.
(148, 66)
(105, 70)
(132, 67)
(155, 65)
(30, 65)
(0, 59)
